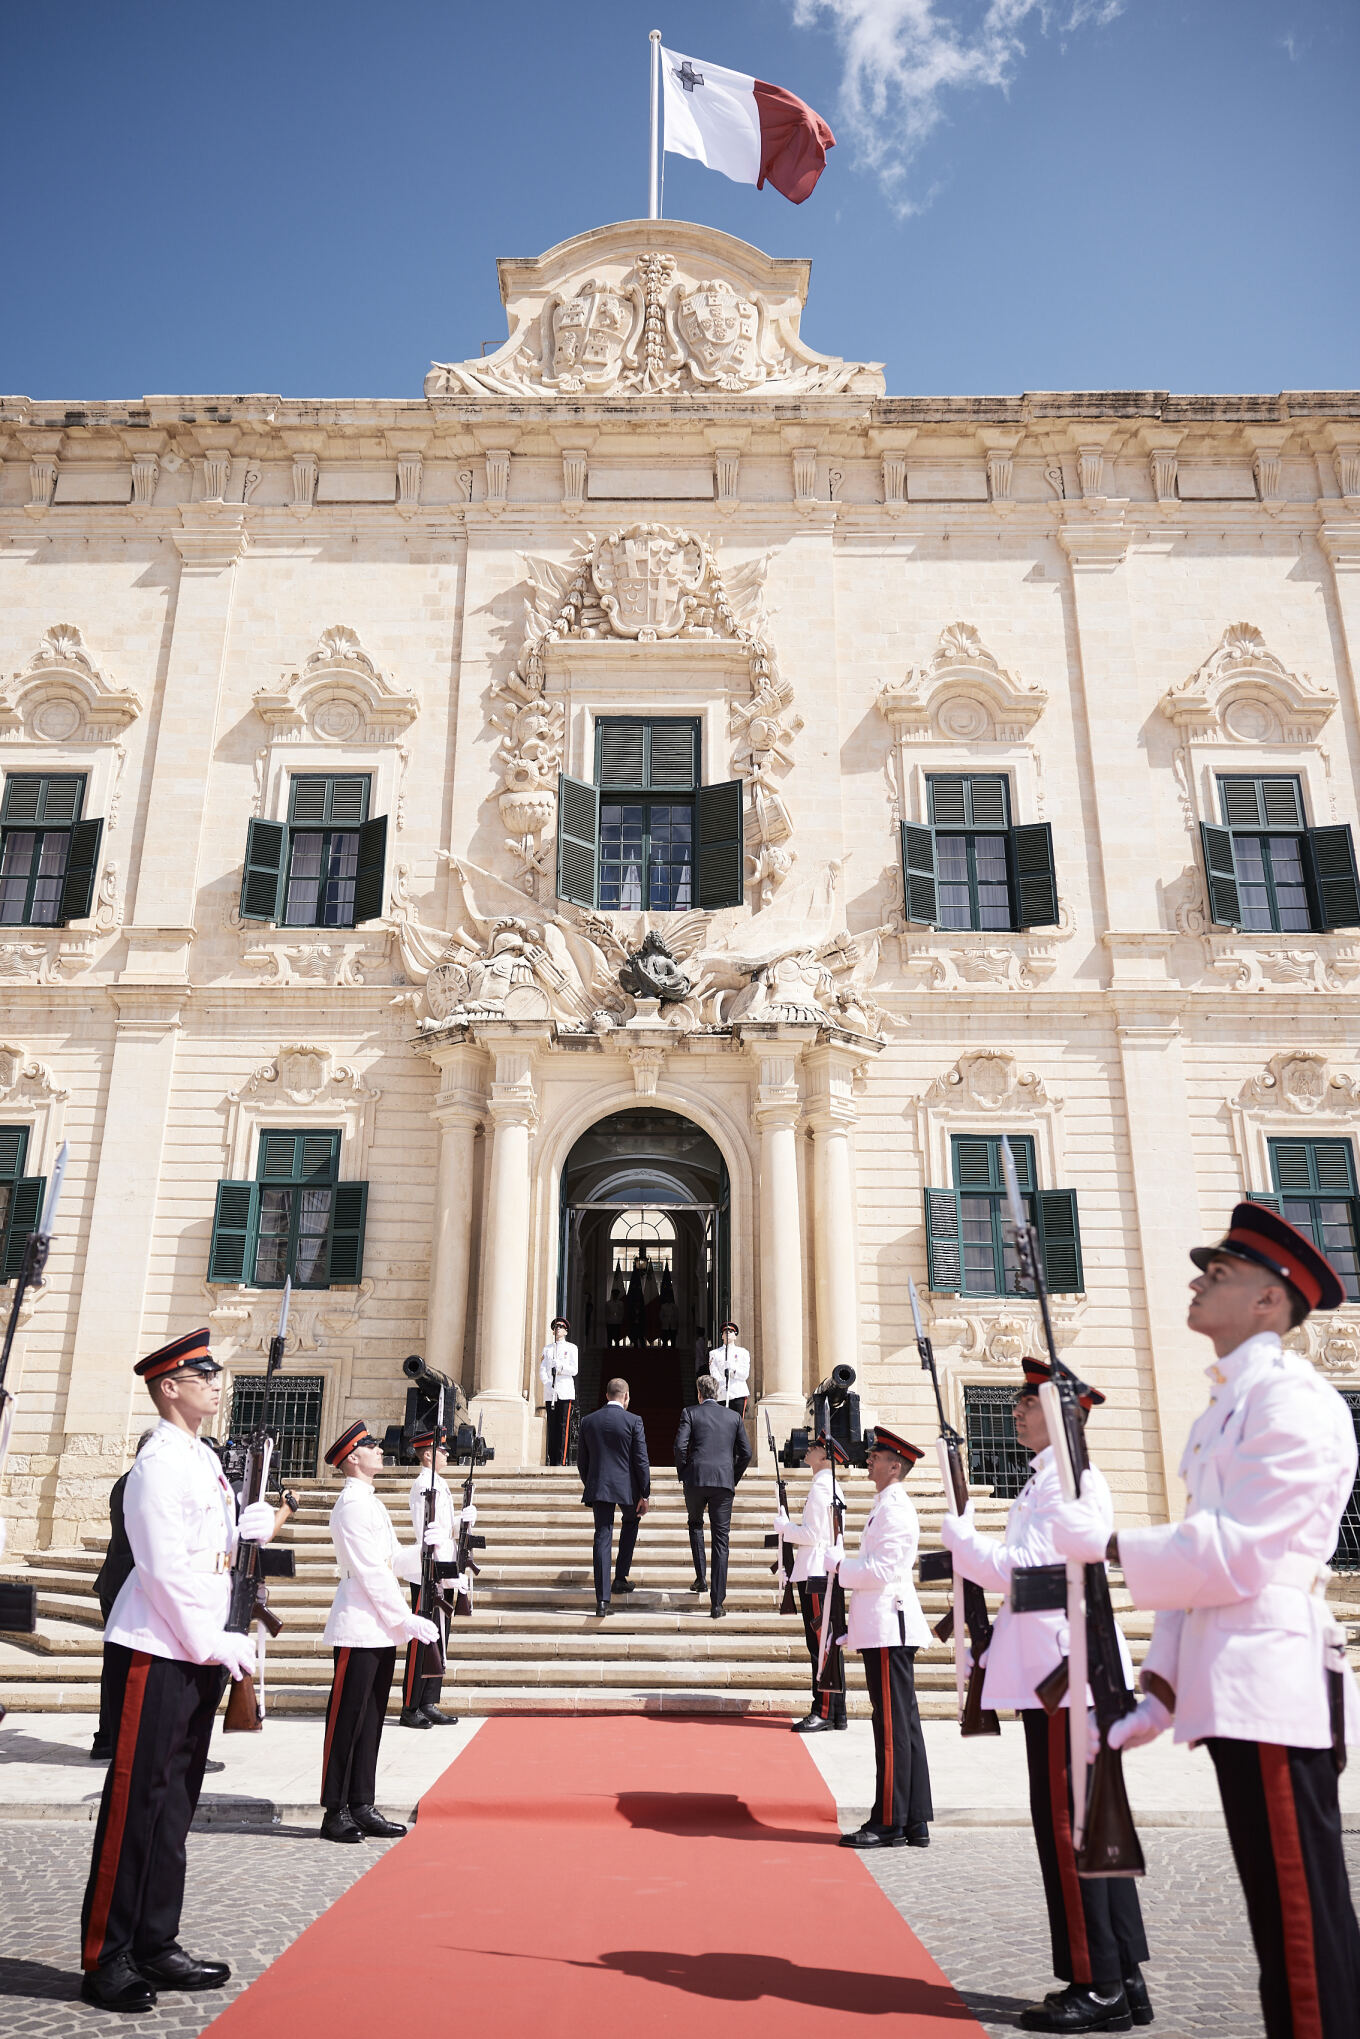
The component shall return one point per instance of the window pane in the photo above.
(979, 1252)
(672, 853)
(621, 826)
(304, 873)
(1335, 1234)
(271, 1259)
(313, 1222)
(994, 892)
(1291, 897)
(342, 861)
(951, 866)
(1253, 891)
(15, 865)
(6, 1192)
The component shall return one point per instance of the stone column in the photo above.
(101, 1388)
(1340, 540)
(458, 1112)
(501, 1356)
(831, 1113)
(778, 1109)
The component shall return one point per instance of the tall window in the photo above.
(295, 1219)
(971, 867)
(325, 866)
(21, 1199)
(48, 855)
(1267, 871)
(294, 1420)
(647, 835)
(968, 1239)
(1315, 1190)
(996, 1457)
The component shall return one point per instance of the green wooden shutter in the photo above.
(578, 841)
(1333, 1166)
(988, 801)
(1289, 1164)
(23, 798)
(976, 1162)
(920, 891)
(944, 1241)
(1330, 855)
(948, 800)
(721, 851)
(621, 753)
(348, 801)
(231, 1256)
(1034, 882)
(1259, 1196)
(1221, 872)
(670, 757)
(349, 1214)
(82, 869)
(1240, 799)
(1055, 1212)
(25, 1209)
(369, 886)
(266, 863)
(13, 1150)
(308, 799)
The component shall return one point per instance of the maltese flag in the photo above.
(751, 131)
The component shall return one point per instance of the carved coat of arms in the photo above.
(648, 579)
(587, 336)
(720, 330)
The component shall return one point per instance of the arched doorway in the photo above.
(644, 1269)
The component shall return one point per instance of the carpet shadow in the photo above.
(996, 2010)
(744, 1978)
(35, 1979)
(720, 1813)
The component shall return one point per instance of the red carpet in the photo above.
(602, 1875)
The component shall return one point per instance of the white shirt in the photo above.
(445, 1515)
(730, 1366)
(369, 1611)
(1025, 1647)
(1240, 1635)
(180, 1517)
(558, 1354)
(884, 1609)
(815, 1533)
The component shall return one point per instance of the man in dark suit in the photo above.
(711, 1454)
(611, 1458)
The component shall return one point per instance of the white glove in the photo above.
(418, 1630)
(957, 1529)
(1092, 1735)
(1079, 1529)
(835, 1557)
(1148, 1720)
(256, 1524)
(469, 1515)
(236, 1653)
(781, 1522)
(433, 1535)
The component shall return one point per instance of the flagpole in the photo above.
(654, 154)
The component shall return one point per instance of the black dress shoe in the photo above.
(698, 1586)
(1081, 2007)
(840, 1723)
(413, 1716)
(918, 1834)
(434, 1718)
(338, 1826)
(119, 1986)
(812, 1724)
(177, 1970)
(624, 1586)
(601, 1609)
(101, 1752)
(1140, 2003)
(717, 1610)
(874, 1837)
(370, 1821)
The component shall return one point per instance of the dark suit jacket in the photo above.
(710, 1446)
(611, 1457)
(118, 1562)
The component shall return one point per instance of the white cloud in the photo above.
(902, 58)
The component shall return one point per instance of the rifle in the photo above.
(1104, 1839)
(969, 1605)
(433, 1600)
(467, 1543)
(833, 1607)
(19, 1603)
(783, 1564)
(252, 1564)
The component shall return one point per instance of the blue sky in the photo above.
(309, 198)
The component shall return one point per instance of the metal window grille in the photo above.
(294, 1418)
(1346, 1557)
(995, 1457)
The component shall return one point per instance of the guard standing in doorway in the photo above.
(557, 1371)
(729, 1364)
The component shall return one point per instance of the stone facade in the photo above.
(657, 499)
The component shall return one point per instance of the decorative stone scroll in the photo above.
(1300, 1082)
(61, 696)
(304, 1083)
(1243, 693)
(338, 695)
(962, 696)
(653, 310)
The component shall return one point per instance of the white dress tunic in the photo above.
(180, 1516)
(445, 1514)
(369, 1611)
(1243, 1632)
(557, 1371)
(815, 1533)
(884, 1609)
(730, 1367)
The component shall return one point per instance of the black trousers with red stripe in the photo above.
(360, 1684)
(559, 1431)
(901, 1772)
(164, 1710)
(420, 1692)
(1095, 1923)
(1284, 1824)
(828, 1698)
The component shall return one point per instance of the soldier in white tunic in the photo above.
(1245, 1655)
(557, 1371)
(368, 1619)
(887, 1627)
(168, 1657)
(729, 1364)
(814, 1537)
(420, 1696)
(1095, 1923)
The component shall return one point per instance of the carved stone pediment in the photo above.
(1244, 693)
(338, 695)
(964, 695)
(987, 1080)
(61, 696)
(653, 308)
(1300, 1081)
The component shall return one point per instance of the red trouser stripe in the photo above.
(408, 1689)
(1296, 1906)
(332, 1712)
(123, 1755)
(1062, 1844)
(887, 1739)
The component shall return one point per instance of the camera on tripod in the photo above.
(422, 1402)
(834, 1409)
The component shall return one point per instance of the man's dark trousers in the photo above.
(164, 1711)
(357, 1708)
(902, 1773)
(604, 1543)
(717, 1502)
(611, 1458)
(1095, 1922)
(711, 1454)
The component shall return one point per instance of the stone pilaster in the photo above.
(777, 1112)
(502, 1355)
(459, 1112)
(830, 1104)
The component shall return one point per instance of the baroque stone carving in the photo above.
(303, 1075)
(346, 959)
(338, 695)
(245, 1321)
(1300, 1081)
(61, 696)
(24, 1080)
(963, 695)
(1258, 962)
(988, 1080)
(1002, 1335)
(607, 315)
(1243, 692)
(651, 971)
(46, 956)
